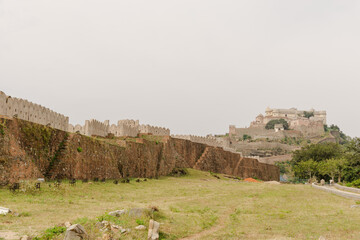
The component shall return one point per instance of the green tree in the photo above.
(308, 114)
(306, 168)
(333, 167)
(271, 124)
(318, 152)
(352, 154)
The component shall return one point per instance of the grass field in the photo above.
(227, 209)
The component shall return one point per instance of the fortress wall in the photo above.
(257, 133)
(96, 128)
(211, 141)
(125, 128)
(3, 109)
(312, 130)
(32, 112)
(157, 131)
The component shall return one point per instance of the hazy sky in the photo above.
(193, 66)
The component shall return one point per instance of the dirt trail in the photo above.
(219, 225)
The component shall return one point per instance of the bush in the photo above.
(271, 124)
(356, 183)
(308, 114)
(246, 137)
(140, 222)
(79, 149)
(51, 233)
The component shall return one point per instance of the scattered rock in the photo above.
(25, 237)
(117, 213)
(106, 237)
(140, 227)
(322, 238)
(4, 211)
(116, 228)
(75, 232)
(41, 180)
(67, 224)
(322, 182)
(355, 206)
(153, 233)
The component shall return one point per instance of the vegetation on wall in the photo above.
(246, 137)
(271, 124)
(308, 114)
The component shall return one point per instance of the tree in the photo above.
(271, 124)
(308, 114)
(318, 152)
(306, 168)
(333, 167)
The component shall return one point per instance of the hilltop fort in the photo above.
(301, 123)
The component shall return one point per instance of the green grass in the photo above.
(187, 205)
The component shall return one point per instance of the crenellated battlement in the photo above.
(25, 110)
(159, 131)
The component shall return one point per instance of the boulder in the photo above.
(117, 213)
(140, 227)
(67, 224)
(322, 182)
(4, 211)
(153, 233)
(75, 232)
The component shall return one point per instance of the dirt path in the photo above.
(219, 225)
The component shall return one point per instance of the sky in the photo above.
(194, 66)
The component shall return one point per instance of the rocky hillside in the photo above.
(29, 150)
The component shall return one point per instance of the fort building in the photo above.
(302, 123)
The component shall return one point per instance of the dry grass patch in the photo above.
(188, 205)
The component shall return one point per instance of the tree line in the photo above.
(327, 161)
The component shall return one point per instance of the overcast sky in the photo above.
(194, 66)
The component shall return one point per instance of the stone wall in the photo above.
(30, 151)
(157, 131)
(96, 128)
(25, 110)
(223, 143)
(125, 128)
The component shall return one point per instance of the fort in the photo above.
(301, 124)
(38, 142)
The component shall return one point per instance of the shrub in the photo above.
(271, 124)
(51, 233)
(246, 137)
(79, 149)
(140, 222)
(308, 114)
(356, 183)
